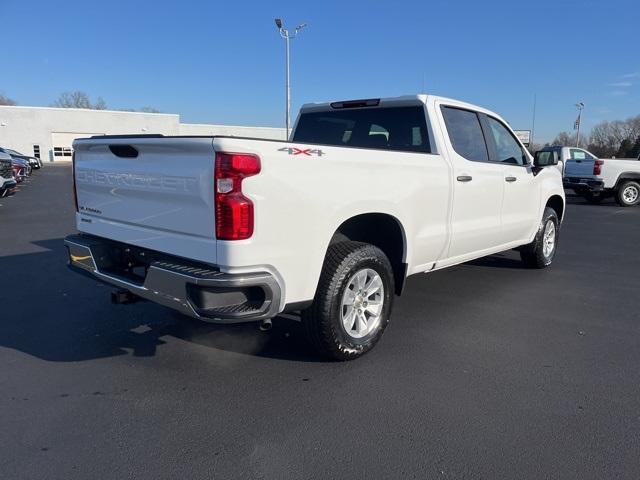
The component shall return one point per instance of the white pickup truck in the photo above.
(329, 224)
(596, 179)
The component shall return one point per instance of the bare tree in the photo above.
(143, 109)
(78, 99)
(614, 138)
(534, 147)
(567, 139)
(6, 100)
(100, 104)
(620, 138)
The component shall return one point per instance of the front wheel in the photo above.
(628, 194)
(353, 301)
(540, 252)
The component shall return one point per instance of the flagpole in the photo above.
(580, 106)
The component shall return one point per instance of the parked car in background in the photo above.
(21, 168)
(34, 162)
(18, 173)
(7, 180)
(331, 223)
(596, 179)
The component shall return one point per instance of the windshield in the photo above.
(392, 128)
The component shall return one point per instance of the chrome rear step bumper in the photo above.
(197, 290)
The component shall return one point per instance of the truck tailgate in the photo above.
(151, 192)
(579, 168)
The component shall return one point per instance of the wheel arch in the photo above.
(624, 176)
(384, 231)
(557, 203)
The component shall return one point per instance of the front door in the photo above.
(520, 206)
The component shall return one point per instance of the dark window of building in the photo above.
(62, 151)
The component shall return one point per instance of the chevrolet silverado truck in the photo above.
(328, 224)
(596, 179)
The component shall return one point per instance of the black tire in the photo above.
(622, 195)
(322, 321)
(594, 197)
(533, 255)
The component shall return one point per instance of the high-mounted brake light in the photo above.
(370, 102)
(597, 167)
(73, 175)
(234, 211)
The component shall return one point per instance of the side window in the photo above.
(465, 134)
(578, 154)
(507, 147)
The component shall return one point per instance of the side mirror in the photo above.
(545, 158)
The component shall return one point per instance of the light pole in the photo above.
(284, 33)
(580, 106)
(533, 120)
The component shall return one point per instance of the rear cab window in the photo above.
(385, 128)
(577, 154)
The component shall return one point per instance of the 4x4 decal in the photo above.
(302, 151)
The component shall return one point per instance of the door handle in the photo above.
(510, 179)
(464, 178)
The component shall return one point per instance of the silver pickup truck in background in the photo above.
(596, 179)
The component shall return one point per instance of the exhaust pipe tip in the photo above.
(266, 325)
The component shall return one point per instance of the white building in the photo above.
(48, 133)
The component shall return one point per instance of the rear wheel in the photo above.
(628, 194)
(353, 302)
(541, 252)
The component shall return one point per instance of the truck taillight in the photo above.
(597, 167)
(234, 211)
(73, 175)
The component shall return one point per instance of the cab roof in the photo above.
(405, 100)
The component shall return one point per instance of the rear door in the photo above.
(478, 185)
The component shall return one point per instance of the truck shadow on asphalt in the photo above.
(58, 316)
(577, 200)
(497, 261)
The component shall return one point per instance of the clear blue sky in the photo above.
(223, 61)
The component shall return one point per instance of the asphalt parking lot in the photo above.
(487, 370)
